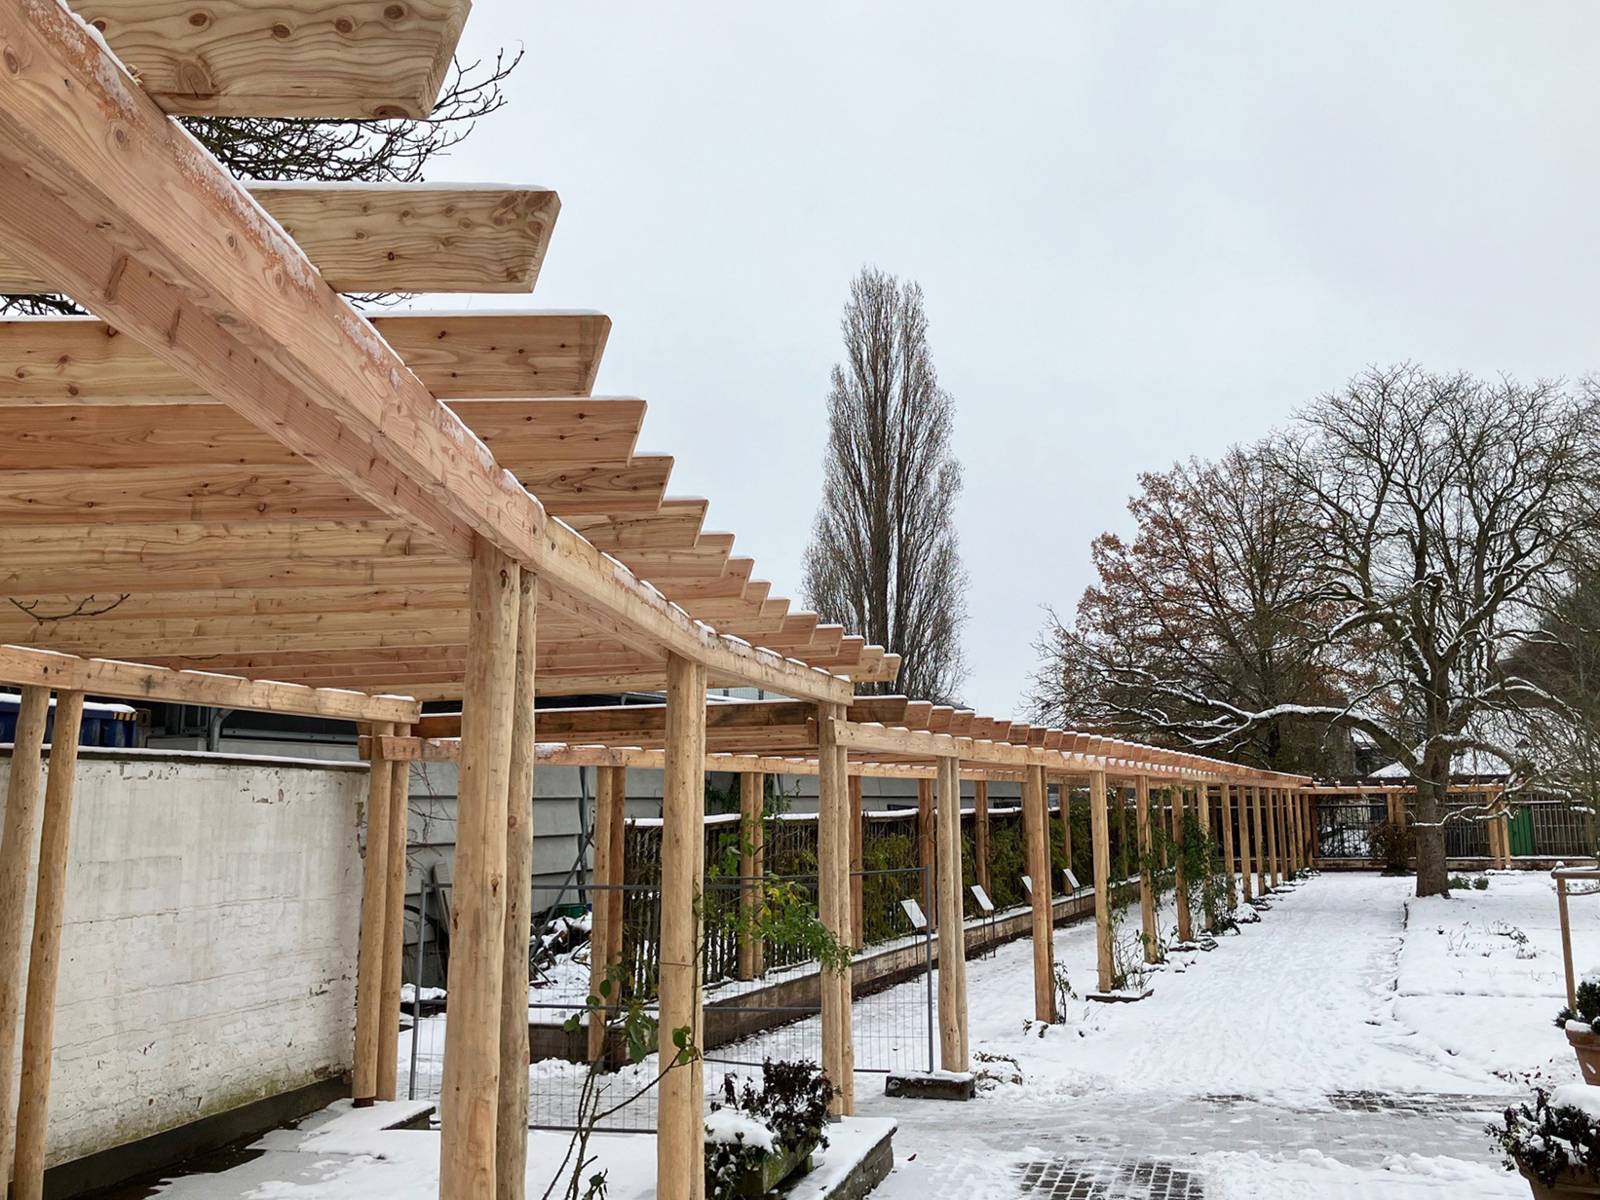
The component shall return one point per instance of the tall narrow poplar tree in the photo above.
(883, 559)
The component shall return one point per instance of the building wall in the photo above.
(209, 943)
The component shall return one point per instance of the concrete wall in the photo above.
(209, 945)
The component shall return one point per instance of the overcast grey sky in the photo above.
(1144, 231)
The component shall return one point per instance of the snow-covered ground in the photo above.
(1353, 1042)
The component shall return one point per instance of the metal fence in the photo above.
(1538, 826)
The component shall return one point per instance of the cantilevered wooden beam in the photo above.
(367, 238)
(454, 356)
(25, 667)
(359, 59)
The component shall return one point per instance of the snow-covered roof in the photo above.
(1475, 763)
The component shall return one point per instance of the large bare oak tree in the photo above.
(883, 559)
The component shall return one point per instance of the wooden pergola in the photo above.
(939, 746)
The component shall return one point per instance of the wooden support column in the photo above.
(680, 1140)
(1100, 840)
(752, 866)
(1229, 865)
(1064, 790)
(1246, 880)
(858, 903)
(952, 940)
(1297, 838)
(1159, 821)
(44, 963)
(21, 831)
(394, 923)
(511, 1136)
(469, 1101)
(1202, 797)
(1124, 863)
(1275, 855)
(980, 831)
(605, 905)
(1258, 833)
(926, 855)
(1036, 828)
(844, 981)
(1180, 882)
(1147, 894)
(374, 914)
(833, 808)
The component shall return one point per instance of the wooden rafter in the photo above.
(367, 238)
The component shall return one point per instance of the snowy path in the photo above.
(1250, 1066)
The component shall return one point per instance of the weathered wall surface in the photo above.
(208, 951)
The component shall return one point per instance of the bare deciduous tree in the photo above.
(1213, 597)
(883, 559)
(263, 149)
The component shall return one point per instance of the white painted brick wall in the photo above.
(208, 952)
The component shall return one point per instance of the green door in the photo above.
(1521, 825)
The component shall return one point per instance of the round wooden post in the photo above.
(926, 854)
(1100, 841)
(952, 949)
(1258, 830)
(844, 980)
(752, 863)
(469, 1100)
(980, 831)
(374, 904)
(1064, 791)
(1566, 942)
(1180, 883)
(1274, 840)
(1147, 894)
(44, 964)
(1229, 865)
(394, 925)
(511, 1132)
(20, 832)
(680, 1138)
(1036, 829)
(1124, 864)
(605, 907)
(858, 904)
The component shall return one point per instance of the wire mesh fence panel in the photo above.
(1466, 830)
(892, 1018)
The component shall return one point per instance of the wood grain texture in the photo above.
(357, 59)
(409, 238)
(80, 360)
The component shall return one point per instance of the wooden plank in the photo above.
(181, 492)
(381, 237)
(680, 1140)
(44, 962)
(18, 835)
(511, 1133)
(359, 60)
(454, 356)
(132, 681)
(470, 1097)
(522, 433)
